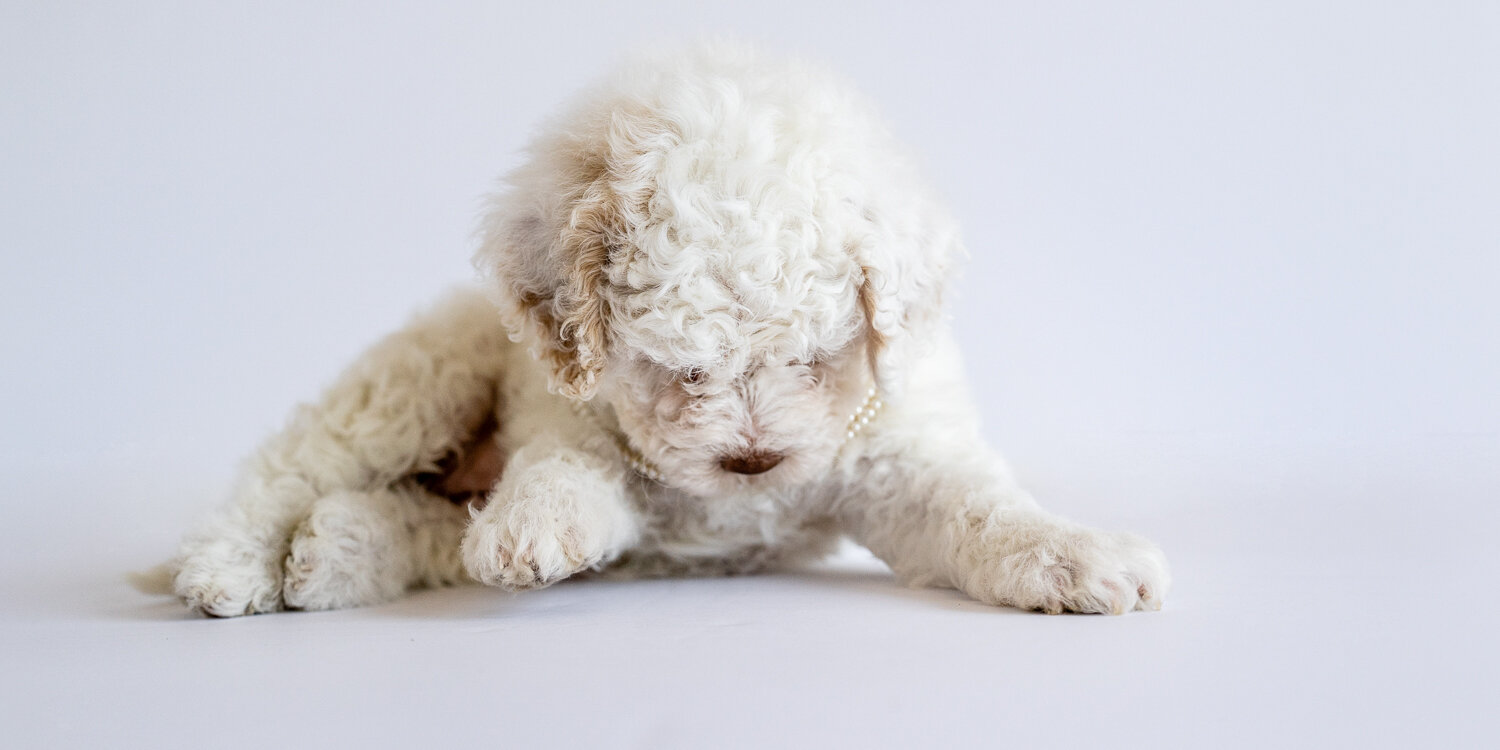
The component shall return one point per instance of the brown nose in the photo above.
(750, 463)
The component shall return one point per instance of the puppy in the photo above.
(710, 340)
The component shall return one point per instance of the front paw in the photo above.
(1072, 569)
(534, 539)
(525, 553)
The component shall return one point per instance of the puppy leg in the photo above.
(231, 564)
(960, 521)
(408, 402)
(557, 511)
(360, 548)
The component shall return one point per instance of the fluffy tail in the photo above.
(157, 580)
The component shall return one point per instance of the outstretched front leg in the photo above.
(947, 513)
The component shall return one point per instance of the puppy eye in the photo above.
(693, 376)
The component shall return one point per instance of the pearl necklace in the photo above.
(638, 463)
(641, 465)
(862, 416)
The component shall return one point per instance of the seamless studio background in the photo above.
(1233, 285)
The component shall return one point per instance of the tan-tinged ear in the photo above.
(904, 269)
(548, 243)
(546, 269)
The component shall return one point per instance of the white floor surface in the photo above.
(1312, 608)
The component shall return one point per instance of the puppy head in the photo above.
(730, 253)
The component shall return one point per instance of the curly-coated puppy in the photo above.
(719, 346)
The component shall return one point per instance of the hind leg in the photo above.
(359, 548)
(405, 405)
(230, 564)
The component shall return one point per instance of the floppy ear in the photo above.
(547, 245)
(904, 258)
(544, 254)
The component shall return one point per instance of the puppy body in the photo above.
(707, 267)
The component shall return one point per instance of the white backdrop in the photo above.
(1234, 284)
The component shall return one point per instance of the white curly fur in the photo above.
(717, 254)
